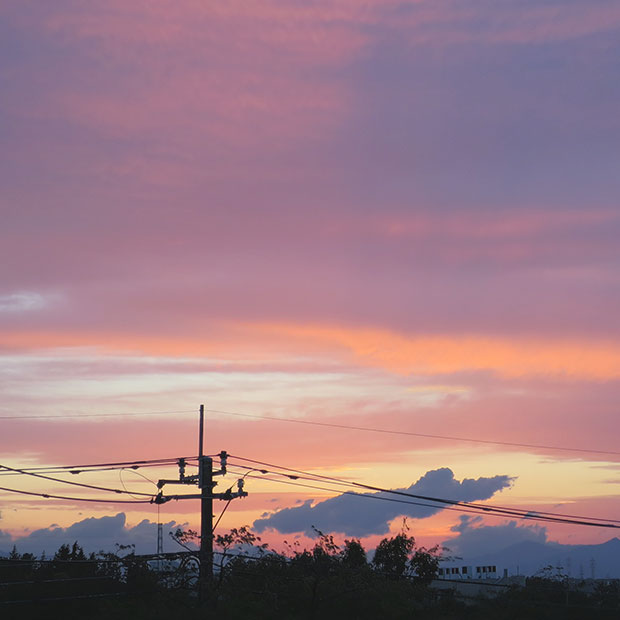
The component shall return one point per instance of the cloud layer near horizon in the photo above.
(475, 538)
(93, 534)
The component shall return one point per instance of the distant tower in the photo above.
(160, 538)
(569, 567)
(593, 568)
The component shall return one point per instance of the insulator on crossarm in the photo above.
(223, 460)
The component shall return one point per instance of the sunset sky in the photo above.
(384, 214)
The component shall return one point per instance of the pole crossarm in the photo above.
(197, 478)
(186, 480)
(226, 495)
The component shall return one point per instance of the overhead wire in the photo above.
(462, 509)
(293, 475)
(76, 469)
(487, 511)
(93, 415)
(56, 470)
(479, 508)
(71, 482)
(134, 465)
(333, 480)
(363, 496)
(120, 477)
(221, 515)
(77, 499)
(476, 440)
(309, 476)
(414, 434)
(139, 474)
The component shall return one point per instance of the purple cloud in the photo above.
(93, 534)
(357, 515)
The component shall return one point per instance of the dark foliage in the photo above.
(252, 581)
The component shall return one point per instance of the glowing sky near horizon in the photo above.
(400, 215)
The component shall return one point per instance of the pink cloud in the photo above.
(312, 209)
(489, 412)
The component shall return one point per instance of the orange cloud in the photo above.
(510, 357)
(389, 350)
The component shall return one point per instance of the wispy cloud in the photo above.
(22, 302)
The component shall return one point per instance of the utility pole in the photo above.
(160, 539)
(204, 480)
(206, 485)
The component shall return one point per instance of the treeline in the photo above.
(325, 581)
(252, 581)
(73, 584)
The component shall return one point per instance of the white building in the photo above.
(468, 572)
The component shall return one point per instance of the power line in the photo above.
(464, 509)
(505, 511)
(456, 504)
(122, 469)
(77, 499)
(480, 508)
(380, 489)
(364, 496)
(56, 470)
(92, 415)
(412, 434)
(367, 429)
(78, 469)
(77, 484)
(221, 515)
(120, 477)
(483, 507)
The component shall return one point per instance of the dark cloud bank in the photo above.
(93, 534)
(475, 538)
(518, 548)
(356, 515)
